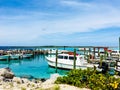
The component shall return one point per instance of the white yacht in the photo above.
(66, 61)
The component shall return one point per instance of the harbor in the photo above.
(55, 67)
(26, 60)
(34, 66)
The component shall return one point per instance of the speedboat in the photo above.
(66, 61)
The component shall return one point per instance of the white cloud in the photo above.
(34, 25)
(84, 23)
(72, 3)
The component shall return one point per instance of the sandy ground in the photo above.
(68, 87)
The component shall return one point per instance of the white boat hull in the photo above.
(67, 64)
(4, 57)
(14, 56)
(27, 55)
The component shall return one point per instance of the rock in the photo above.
(116, 76)
(24, 80)
(27, 76)
(43, 79)
(17, 80)
(6, 73)
(37, 81)
(54, 76)
(8, 69)
(1, 78)
(52, 79)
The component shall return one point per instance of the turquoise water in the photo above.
(36, 67)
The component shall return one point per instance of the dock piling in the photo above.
(64, 47)
(119, 47)
(94, 52)
(74, 64)
(56, 60)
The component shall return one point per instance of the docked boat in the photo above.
(14, 56)
(66, 60)
(4, 57)
(53, 51)
(115, 53)
(27, 55)
(118, 66)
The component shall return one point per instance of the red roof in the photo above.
(71, 53)
(105, 49)
(109, 51)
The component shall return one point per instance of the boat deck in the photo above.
(117, 66)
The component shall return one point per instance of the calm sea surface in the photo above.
(36, 67)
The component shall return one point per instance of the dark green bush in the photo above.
(90, 78)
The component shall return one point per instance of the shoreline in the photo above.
(8, 81)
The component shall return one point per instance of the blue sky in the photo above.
(59, 22)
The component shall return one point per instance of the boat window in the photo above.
(60, 57)
(65, 57)
(71, 57)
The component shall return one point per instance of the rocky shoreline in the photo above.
(8, 81)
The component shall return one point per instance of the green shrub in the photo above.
(56, 87)
(23, 88)
(90, 78)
